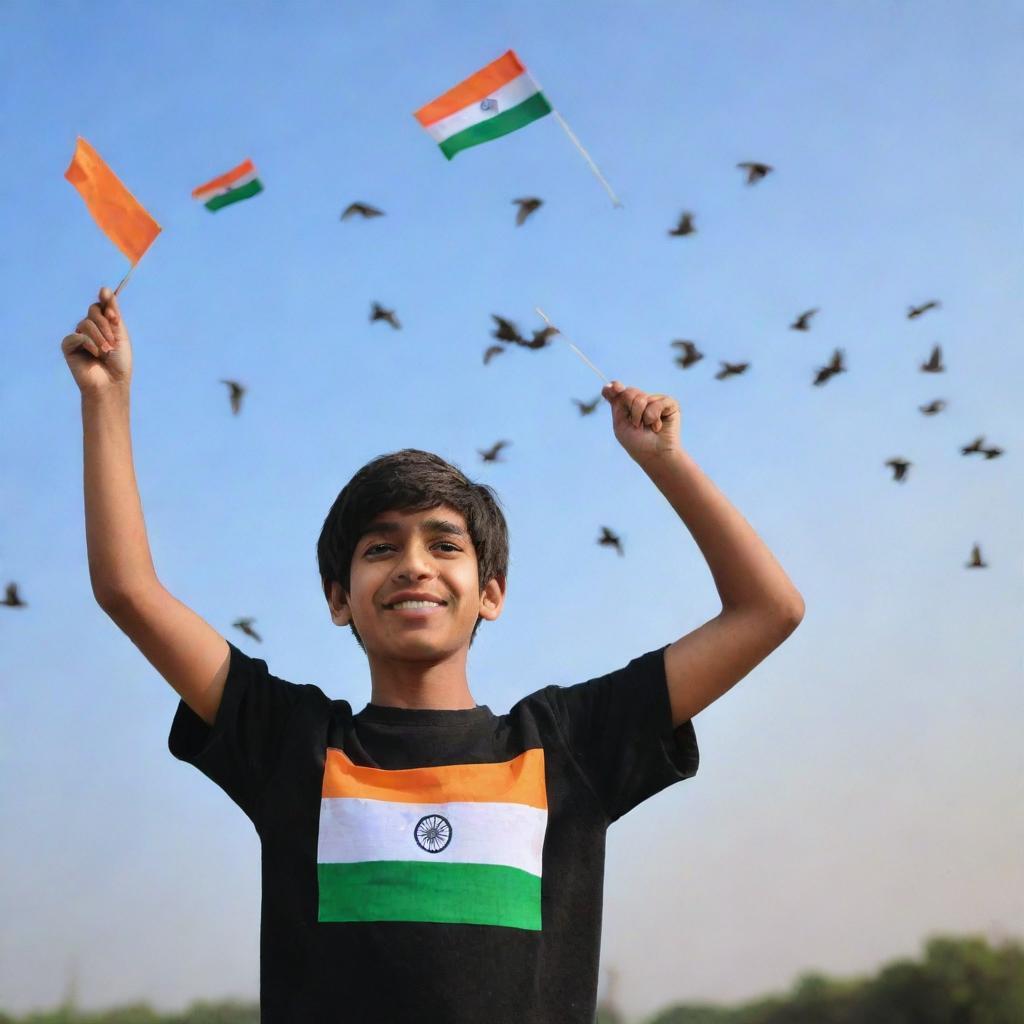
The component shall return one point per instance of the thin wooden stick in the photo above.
(586, 156)
(572, 346)
(125, 278)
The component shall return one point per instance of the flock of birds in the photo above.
(508, 333)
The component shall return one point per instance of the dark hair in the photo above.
(411, 480)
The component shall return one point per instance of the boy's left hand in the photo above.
(647, 426)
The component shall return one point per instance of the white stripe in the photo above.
(511, 94)
(206, 196)
(481, 832)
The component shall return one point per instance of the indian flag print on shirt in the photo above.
(239, 183)
(459, 843)
(494, 101)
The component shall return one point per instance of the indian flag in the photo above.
(458, 843)
(239, 183)
(494, 101)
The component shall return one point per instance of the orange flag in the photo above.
(122, 217)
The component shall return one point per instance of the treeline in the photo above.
(958, 981)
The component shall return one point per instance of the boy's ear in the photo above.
(493, 597)
(341, 614)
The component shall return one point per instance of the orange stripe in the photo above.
(225, 179)
(122, 218)
(519, 781)
(478, 86)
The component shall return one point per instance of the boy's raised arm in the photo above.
(188, 652)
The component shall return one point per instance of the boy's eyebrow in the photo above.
(428, 526)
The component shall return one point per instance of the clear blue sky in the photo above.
(861, 788)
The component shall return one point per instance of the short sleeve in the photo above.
(618, 727)
(240, 750)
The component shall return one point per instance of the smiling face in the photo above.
(429, 552)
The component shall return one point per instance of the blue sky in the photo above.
(857, 790)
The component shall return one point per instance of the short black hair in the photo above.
(411, 480)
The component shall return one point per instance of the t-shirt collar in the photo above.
(390, 715)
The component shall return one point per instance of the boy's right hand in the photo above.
(99, 353)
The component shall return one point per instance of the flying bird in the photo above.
(506, 330)
(364, 209)
(729, 369)
(801, 322)
(915, 311)
(491, 454)
(934, 363)
(992, 453)
(586, 408)
(11, 598)
(380, 313)
(976, 562)
(609, 538)
(899, 467)
(541, 338)
(685, 225)
(491, 352)
(691, 354)
(933, 407)
(237, 390)
(755, 171)
(526, 207)
(832, 368)
(245, 625)
(974, 446)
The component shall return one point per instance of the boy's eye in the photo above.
(441, 543)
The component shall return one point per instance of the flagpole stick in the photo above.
(586, 156)
(572, 346)
(126, 276)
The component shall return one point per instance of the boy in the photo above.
(424, 859)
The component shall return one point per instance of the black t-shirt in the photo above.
(435, 865)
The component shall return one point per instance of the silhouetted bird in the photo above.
(976, 562)
(237, 390)
(974, 446)
(832, 368)
(729, 369)
(245, 625)
(491, 352)
(11, 598)
(899, 467)
(933, 407)
(916, 311)
(755, 171)
(685, 225)
(609, 538)
(491, 454)
(586, 408)
(540, 338)
(380, 313)
(506, 330)
(801, 322)
(691, 354)
(361, 208)
(526, 207)
(992, 453)
(934, 363)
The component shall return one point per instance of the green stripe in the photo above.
(402, 890)
(515, 117)
(226, 198)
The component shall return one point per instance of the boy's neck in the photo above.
(425, 685)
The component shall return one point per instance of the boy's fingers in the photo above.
(109, 300)
(91, 331)
(97, 317)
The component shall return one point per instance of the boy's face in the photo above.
(428, 552)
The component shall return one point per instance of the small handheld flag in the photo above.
(499, 98)
(121, 217)
(239, 183)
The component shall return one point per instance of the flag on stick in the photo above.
(239, 183)
(121, 217)
(492, 102)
